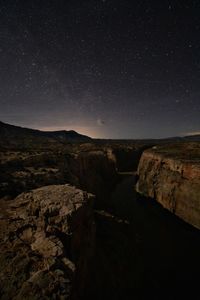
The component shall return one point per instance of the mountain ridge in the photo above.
(12, 135)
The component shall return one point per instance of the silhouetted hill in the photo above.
(16, 136)
(12, 136)
(192, 138)
(68, 136)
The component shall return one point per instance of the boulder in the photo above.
(46, 243)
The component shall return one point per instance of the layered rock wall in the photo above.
(173, 181)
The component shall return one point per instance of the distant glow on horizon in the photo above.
(93, 132)
(192, 133)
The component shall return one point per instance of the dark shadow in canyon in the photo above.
(142, 251)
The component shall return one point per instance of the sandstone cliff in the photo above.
(97, 174)
(171, 175)
(46, 243)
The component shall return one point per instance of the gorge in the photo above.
(101, 219)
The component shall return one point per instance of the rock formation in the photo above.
(46, 243)
(171, 175)
(91, 170)
(97, 173)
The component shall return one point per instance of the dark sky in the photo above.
(107, 68)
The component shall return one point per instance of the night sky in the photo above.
(107, 68)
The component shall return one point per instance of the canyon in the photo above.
(99, 219)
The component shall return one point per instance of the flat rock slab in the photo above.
(46, 238)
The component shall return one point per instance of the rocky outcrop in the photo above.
(47, 242)
(171, 175)
(21, 171)
(97, 174)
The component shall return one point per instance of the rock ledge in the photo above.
(47, 241)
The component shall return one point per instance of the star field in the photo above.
(114, 69)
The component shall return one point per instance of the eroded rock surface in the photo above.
(171, 175)
(47, 240)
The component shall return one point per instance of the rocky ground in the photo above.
(56, 244)
(47, 242)
(88, 166)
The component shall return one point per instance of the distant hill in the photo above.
(68, 136)
(16, 136)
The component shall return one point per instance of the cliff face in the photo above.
(97, 173)
(46, 243)
(171, 175)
